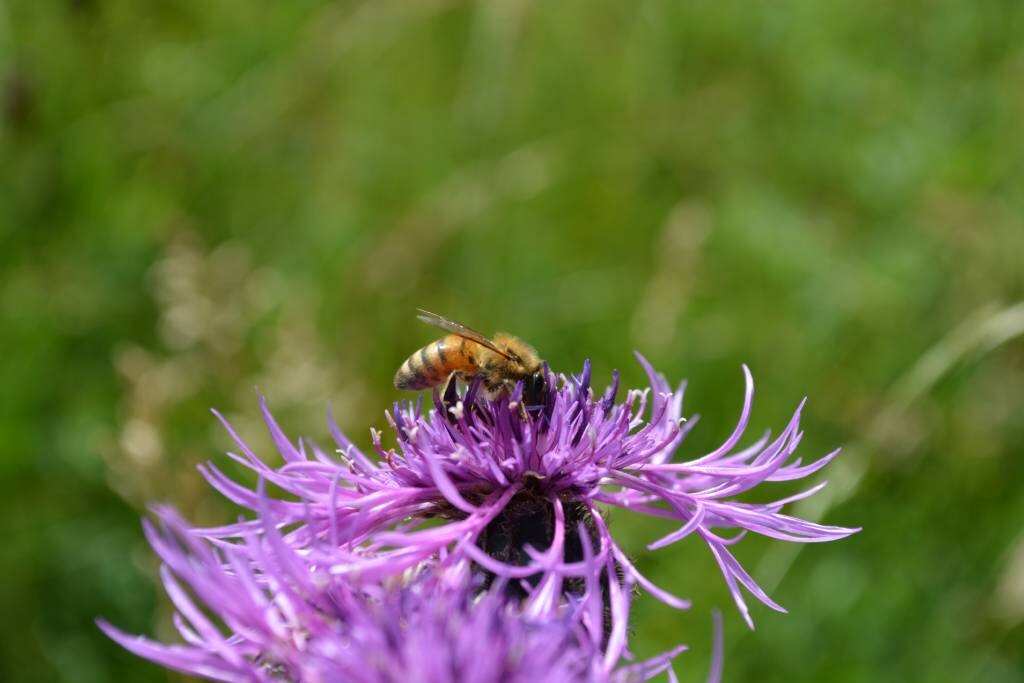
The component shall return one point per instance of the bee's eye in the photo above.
(533, 387)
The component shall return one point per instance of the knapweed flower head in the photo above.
(498, 502)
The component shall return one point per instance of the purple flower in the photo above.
(287, 618)
(482, 467)
(471, 549)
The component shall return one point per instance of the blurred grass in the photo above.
(199, 198)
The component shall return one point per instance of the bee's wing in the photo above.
(459, 329)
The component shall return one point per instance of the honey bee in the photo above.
(465, 354)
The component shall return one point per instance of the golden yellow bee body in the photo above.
(465, 354)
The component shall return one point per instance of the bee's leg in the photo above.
(493, 388)
(450, 397)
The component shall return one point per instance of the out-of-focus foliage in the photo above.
(200, 198)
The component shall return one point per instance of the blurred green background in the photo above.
(199, 198)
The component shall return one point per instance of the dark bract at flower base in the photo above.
(517, 490)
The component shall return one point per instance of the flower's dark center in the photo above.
(529, 520)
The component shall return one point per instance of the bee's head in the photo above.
(534, 387)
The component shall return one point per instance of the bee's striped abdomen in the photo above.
(435, 362)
